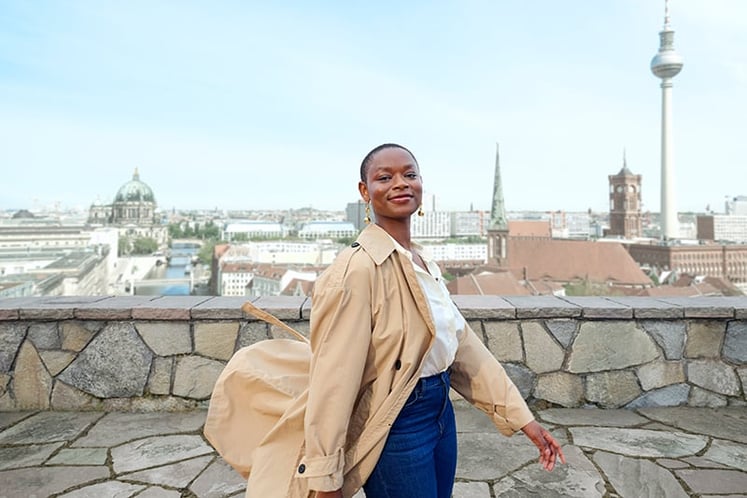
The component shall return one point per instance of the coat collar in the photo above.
(379, 245)
(376, 242)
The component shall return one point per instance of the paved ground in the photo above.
(662, 452)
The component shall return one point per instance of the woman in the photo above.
(387, 344)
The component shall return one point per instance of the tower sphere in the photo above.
(666, 64)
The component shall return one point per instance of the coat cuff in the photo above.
(512, 420)
(322, 473)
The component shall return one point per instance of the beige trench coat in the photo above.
(370, 330)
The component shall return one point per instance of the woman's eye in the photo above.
(411, 176)
(384, 178)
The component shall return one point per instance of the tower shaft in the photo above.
(667, 64)
(669, 221)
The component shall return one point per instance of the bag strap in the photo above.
(250, 309)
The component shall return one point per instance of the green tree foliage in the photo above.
(144, 245)
(205, 255)
(206, 231)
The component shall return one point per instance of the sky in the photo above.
(235, 104)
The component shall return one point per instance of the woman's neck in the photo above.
(399, 231)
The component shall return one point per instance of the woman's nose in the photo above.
(400, 181)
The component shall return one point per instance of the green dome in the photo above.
(135, 191)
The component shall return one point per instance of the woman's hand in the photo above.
(329, 494)
(548, 447)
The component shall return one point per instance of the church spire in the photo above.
(136, 174)
(498, 209)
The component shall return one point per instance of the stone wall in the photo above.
(165, 352)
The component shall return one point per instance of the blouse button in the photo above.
(301, 469)
(397, 365)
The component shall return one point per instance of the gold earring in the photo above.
(367, 219)
(420, 211)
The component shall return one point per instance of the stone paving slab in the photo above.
(671, 452)
(724, 423)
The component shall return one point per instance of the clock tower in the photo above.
(625, 204)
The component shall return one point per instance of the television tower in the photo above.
(667, 64)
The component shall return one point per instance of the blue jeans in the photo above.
(419, 457)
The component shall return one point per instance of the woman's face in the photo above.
(393, 184)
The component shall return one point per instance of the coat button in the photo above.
(354, 244)
(301, 469)
(397, 365)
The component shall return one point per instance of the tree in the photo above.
(205, 255)
(144, 245)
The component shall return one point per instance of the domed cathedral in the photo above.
(134, 211)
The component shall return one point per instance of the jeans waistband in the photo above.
(434, 380)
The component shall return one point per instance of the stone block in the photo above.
(646, 307)
(115, 363)
(111, 308)
(44, 335)
(195, 377)
(75, 336)
(7, 402)
(11, 336)
(543, 354)
(674, 395)
(735, 343)
(477, 328)
(4, 381)
(251, 332)
(714, 376)
(504, 340)
(561, 388)
(702, 306)
(166, 338)
(610, 345)
(600, 307)
(543, 307)
(669, 335)
(282, 307)
(280, 333)
(742, 372)
(484, 307)
(563, 330)
(220, 308)
(65, 397)
(168, 308)
(32, 384)
(56, 361)
(704, 339)
(160, 376)
(702, 397)
(612, 389)
(522, 377)
(216, 339)
(660, 373)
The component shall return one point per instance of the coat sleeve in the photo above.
(478, 376)
(341, 324)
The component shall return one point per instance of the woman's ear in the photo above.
(363, 191)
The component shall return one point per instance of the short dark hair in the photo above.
(369, 157)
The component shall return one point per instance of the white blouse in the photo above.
(446, 317)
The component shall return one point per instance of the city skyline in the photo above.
(248, 106)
